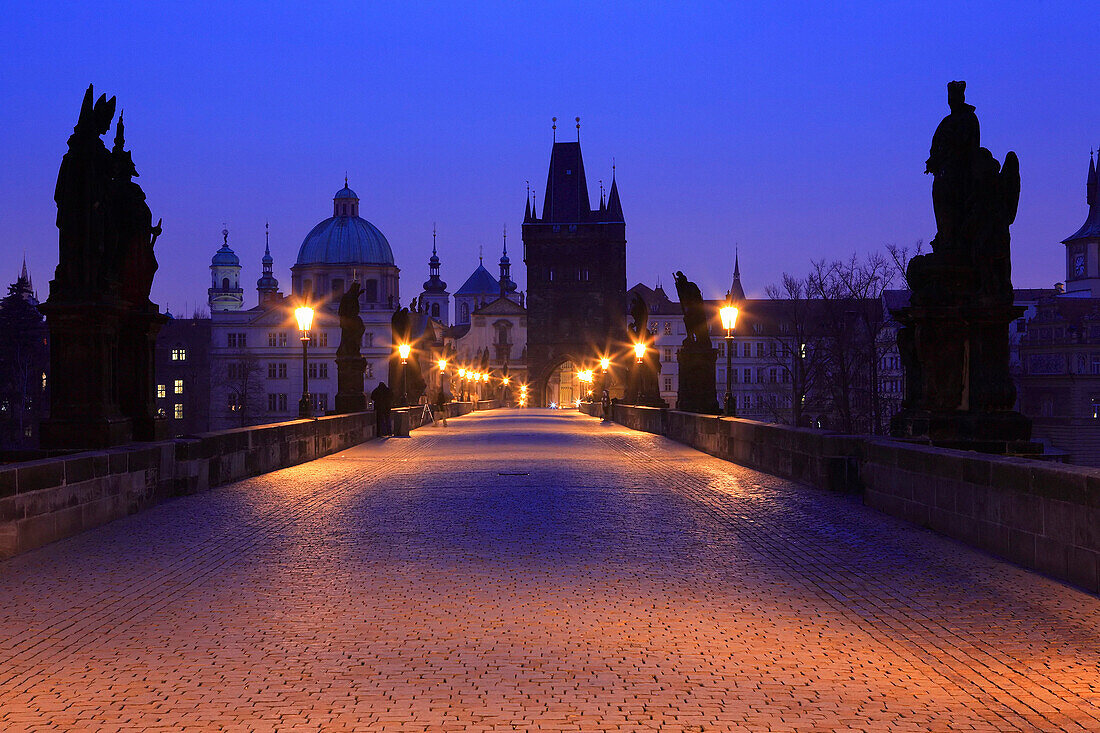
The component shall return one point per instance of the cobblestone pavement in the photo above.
(534, 570)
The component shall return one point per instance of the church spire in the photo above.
(737, 292)
(1090, 185)
(614, 208)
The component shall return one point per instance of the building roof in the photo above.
(480, 282)
(502, 306)
(225, 257)
(1091, 228)
(345, 240)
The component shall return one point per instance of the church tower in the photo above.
(435, 298)
(576, 272)
(1083, 247)
(508, 287)
(225, 292)
(267, 287)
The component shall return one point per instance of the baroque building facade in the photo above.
(256, 363)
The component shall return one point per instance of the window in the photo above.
(465, 313)
(370, 370)
(324, 370)
(368, 338)
(282, 338)
(313, 370)
(721, 349)
(43, 381)
(370, 291)
(282, 403)
(237, 340)
(759, 349)
(1094, 367)
(272, 339)
(177, 386)
(320, 338)
(667, 354)
(748, 376)
(337, 287)
(225, 283)
(760, 376)
(179, 354)
(272, 370)
(435, 310)
(318, 370)
(233, 402)
(668, 384)
(668, 328)
(550, 272)
(320, 401)
(1096, 408)
(161, 391)
(746, 401)
(773, 377)
(177, 411)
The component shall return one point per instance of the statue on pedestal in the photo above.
(350, 365)
(697, 392)
(954, 337)
(102, 324)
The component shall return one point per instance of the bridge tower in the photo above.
(576, 272)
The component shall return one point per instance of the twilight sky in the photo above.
(798, 133)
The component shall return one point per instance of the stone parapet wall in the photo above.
(49, 499)
(1042, 515)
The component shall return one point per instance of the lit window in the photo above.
(322, 338)
(161, 391)
(668, 328)
(177, 386)
(43, 381)
(179, 354)
(272, 339)
(177, 411)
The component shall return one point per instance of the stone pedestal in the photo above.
(84, 367)
(959, 393)
(136, 377)
(642, 387)
(349, 384)
(697, 391)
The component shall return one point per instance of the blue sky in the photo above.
(796, 131)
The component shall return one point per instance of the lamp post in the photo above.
(504, 389)
(304, 315)
(442, 364)
(403, 351)
(639, 351)
(729, 322)
(461, 385)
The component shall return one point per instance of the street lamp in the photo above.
(403, 351)
(639, 351)
(304, 315)
(729, 322)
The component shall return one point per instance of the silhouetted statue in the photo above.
(697, 391)
(350, 364)
(83, 201)
(102, 324)
(954, 337)
(639, 314)
(695, 314)
(132, 227)
(351, 324)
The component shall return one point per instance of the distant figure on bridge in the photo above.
(605, 401)
(441, 400)
(382, 397)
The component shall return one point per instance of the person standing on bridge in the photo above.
(441, 400)
(382, 396)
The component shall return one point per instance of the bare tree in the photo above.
(240, 380)
(792, 348)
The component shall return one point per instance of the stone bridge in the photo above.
(537, 570)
